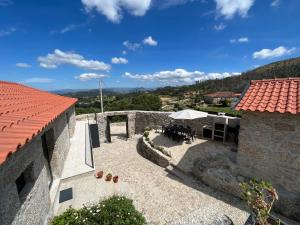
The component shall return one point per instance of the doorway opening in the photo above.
(117, 127)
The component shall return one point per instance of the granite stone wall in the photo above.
(269, 148)
(32, 204)
(61, 143)
(150, 119)
(71, 120)
(33, 209)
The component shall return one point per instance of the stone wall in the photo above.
(62, 142)
(35, 207)
(269, 148)
(154, 155)
(150, 119)
(32, 205)
(71, 120)
(138, 120)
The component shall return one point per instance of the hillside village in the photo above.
(56, 151)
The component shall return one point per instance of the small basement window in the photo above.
(25, 182)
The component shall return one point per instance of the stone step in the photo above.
(176, 172)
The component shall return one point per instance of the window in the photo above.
(24, 182)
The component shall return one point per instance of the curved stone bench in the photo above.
(154, 155)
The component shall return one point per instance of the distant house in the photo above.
(35, 131)
(218, 97)
(269, 138)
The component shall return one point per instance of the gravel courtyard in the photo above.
(163, 198)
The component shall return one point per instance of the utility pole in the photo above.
(101, 99)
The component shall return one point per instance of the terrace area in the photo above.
(161, 196)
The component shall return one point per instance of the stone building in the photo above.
(269, 139)
(218, 97)
(35, 131)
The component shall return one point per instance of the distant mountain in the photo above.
(94, 92)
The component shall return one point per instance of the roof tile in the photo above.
(274, 95)
(24, 112)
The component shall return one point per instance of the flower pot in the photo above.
(115, 179)
(108, 177)
(99, 174)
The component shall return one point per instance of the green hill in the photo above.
(280, 69)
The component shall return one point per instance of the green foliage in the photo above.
(147, 129)
(112, 211)
(146, 134)
(260, 197)
(215, 109)
(159, 148)
(226, 103)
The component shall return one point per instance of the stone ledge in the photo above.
(154, 155)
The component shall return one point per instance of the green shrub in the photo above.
(159, 148)
(260, 197)
(146, 134)
(147, 139)
(147, 129)
(115, 210)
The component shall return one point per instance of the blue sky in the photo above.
(56, 44)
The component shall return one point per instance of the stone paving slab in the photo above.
(159, 195)
(75, 161)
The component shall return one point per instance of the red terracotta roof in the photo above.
(24, 112)
(223, 94)
(275, 95)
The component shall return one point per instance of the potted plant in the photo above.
(99, 174)
(108, 177)
(260, 197)
(115, 179)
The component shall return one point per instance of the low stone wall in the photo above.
(154, 155)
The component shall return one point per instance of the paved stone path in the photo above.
(161, 197)
(75, 161)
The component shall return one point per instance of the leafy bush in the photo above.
(147, 129)
(260, 197)
(146, 134)
(159, 148)
(112, 211)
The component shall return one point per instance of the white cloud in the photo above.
(69, 28)
(240, 40)
(23, 65)
(7, 32)
(229, 8)
(38, 80)
(131, 46)
(58, 57)
(178, 76)
(150, 41)
(220, 27)
(120, 60)
(113, 9)
(124, 52)
(275, 3)
(90, 76)
(273, 53)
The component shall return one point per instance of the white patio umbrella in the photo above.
(188, 114)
